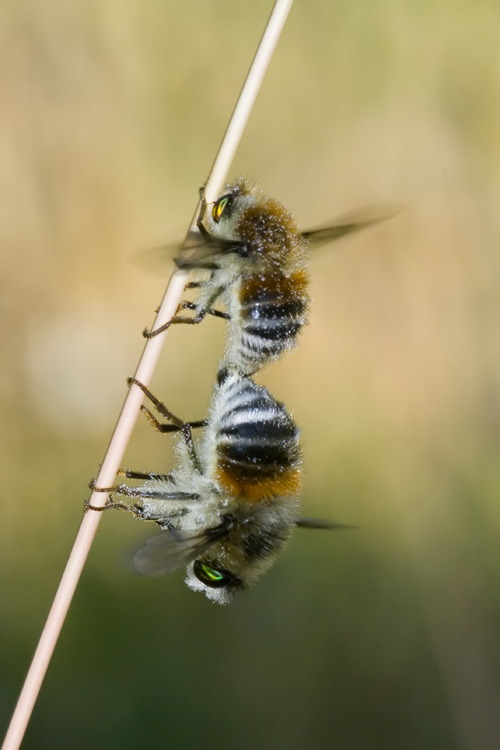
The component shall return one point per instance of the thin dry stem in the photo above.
(134, 399)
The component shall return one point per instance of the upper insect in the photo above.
(257, 259)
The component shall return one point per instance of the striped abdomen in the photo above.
(272, 312)
(257, 442)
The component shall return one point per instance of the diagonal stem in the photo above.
(133, 401)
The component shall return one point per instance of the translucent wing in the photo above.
(172, 549)
(195, 252)
(321, 523)
(156, 261)
(209, 246)
(351, 222)
(200, 251)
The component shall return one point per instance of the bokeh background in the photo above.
(110, 115)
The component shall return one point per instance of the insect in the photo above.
(229, 507)
(258, 262)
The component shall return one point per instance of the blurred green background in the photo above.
(110, 116)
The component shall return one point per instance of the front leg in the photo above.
(120, 489)
(147, 493)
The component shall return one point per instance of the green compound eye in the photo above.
(210, 576)
(219, 207)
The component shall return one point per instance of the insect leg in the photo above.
(171, 427)
(123, 489)
(120, 489)
(177, 423)
(134, 509)
(184, 427)
(142, 475)
(188, 321)
(146, 492)
(215, 313)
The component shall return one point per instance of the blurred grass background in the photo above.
(110, 116)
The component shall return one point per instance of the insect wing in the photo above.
(322, 523)
(190, 254)
(195, 255)
(156, 261)
(351, 222)
(171, 549)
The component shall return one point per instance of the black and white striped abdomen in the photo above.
(272, 313)
(256, 441)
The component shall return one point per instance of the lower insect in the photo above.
(231, 504)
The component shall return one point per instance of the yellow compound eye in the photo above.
(219, 207)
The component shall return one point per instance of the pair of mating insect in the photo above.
(231, 504)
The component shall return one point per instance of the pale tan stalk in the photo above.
(133, 402)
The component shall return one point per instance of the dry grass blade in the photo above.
(134, 398)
